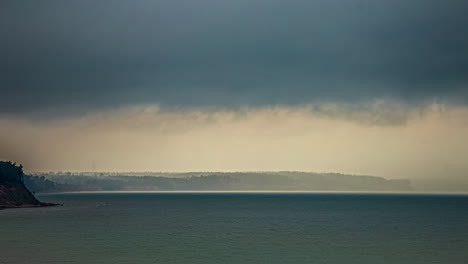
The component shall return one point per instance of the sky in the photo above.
(356, 86)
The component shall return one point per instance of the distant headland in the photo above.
(13, 193)
(210, 181)
(17, 188)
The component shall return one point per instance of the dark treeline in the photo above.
(223, 181)
(10, 172)
(40, 184)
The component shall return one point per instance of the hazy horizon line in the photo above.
(207, 171)
(409, 192)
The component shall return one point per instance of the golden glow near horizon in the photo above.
(429, 142)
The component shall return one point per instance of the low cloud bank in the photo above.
(390, 140)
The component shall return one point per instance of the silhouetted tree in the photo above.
(10, 172)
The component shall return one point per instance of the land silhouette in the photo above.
(210, 181)
(13, 192)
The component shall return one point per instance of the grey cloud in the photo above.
(97, 54)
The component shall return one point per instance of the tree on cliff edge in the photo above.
(10, 172)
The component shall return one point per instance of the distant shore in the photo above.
(260, 192)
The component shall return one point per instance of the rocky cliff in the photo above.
(13, 193)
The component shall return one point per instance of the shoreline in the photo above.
(29, 206)
(260, 192)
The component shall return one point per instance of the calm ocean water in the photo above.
(238, 228)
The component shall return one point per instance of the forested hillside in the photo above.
(212, 181)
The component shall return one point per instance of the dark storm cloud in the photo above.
(89, 54)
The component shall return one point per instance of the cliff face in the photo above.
(13, 193)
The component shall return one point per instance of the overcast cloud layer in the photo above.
(374, 87)
(76, 55)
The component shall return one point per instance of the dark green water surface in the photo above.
(238, 228)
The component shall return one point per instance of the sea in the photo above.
(217, 227)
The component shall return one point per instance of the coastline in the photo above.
(266, 192)
(29, 206)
